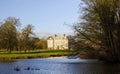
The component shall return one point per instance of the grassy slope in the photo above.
(34, 54)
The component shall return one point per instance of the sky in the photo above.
(47, 16)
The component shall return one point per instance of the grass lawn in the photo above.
(34, 54)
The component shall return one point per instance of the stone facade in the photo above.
(57, 42)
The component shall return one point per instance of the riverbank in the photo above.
(43, 53)
(34, 54)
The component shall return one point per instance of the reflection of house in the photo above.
(57, 42)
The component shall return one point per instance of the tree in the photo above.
(8, 33)
(41, 44)
(12, 37)
(32, 43)
(25, 37)
(100, 26)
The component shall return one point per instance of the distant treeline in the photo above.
(12, 37)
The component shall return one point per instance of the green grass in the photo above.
(34, 54)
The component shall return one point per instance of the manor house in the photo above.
(57, 42)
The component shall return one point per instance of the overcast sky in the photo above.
(47, 16)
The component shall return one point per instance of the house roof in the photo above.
(57, 37)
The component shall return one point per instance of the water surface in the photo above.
(58, 65)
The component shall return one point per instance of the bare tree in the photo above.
(101, 26)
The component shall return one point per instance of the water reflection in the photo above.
(57, 65)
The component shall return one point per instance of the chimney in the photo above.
(55, 35)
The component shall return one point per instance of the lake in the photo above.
(58, 65)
